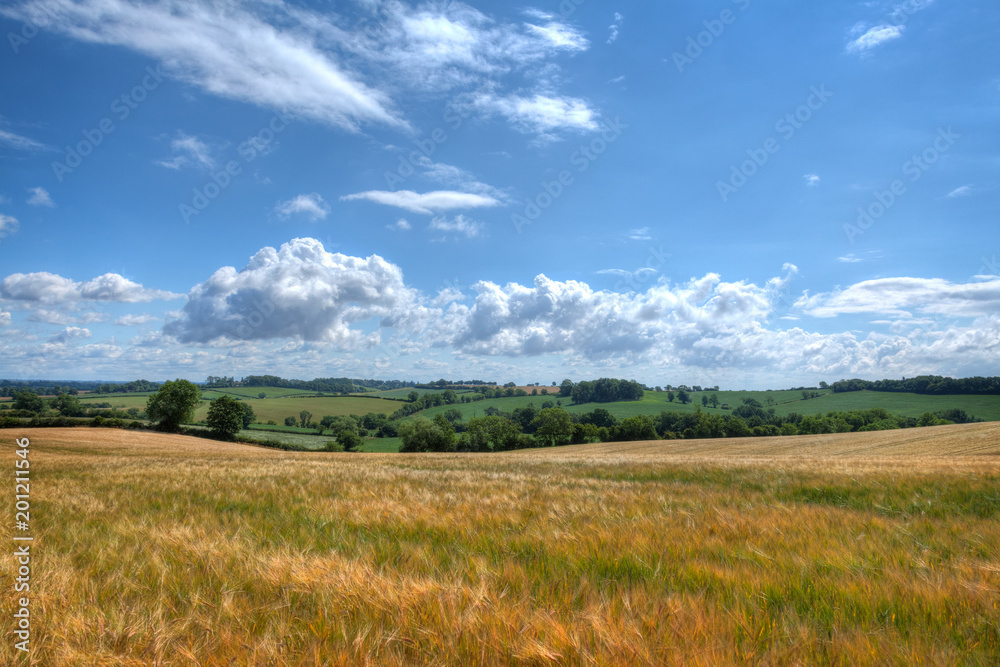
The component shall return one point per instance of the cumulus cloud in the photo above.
(311, 205)
(5, 319)
(901, 296)
(402, 224)
(135, 320)
(188, 151)
(812, 180)
(552, 316)
(40, 197)
(427, 203)
(68, 334)
(297, 291)
(62, 318)
(874, 37)
(963, 191)
(8, 225)
(49, 288)
(459, 225)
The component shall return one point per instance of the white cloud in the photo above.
(560, 36)
(227, 50)
(311, 205)
(458, 179)
(874, 37)
(615, 27)
(135, 320)
(299, 291)
(641, 234)
(5, 319)
(49, 288)
(617, 79)
(70, 333)
(40, 197)
(19, 142)
(188, 151)
(8, 225)
(849, 259)
(812, 180)
(63, 318)
(900, 296)
(304, 62)
(402, 224)
(539, 114)
(963, 191)
(427, 203)
(458, 225)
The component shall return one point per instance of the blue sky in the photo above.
(738, 193)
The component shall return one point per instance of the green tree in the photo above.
(173, 404)
(566, 388)
(423, 435)
(291, 421)
(639, 427)
(68, 406)
(683, 397)
(452, 415)
(305, 416)
(714, 400)
(413, 396)
(225, 417)
(670, 396)
(262, 394)
(553, 427)
(704, 401)
(249, 416)
(492, 433)
(28, 400)
(349, 440)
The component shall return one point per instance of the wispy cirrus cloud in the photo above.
(427, 203)
(903, 296)
(189, 151)
(311, 205)
(873, 37)
(21, 143)
(8, 225)
(226, 49)
(459, 225)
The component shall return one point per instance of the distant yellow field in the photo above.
(878, 548)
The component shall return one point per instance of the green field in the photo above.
(784, 402)
(120, 401)
(254, 392)
(278, 408)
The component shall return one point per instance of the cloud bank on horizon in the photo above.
(560, 179)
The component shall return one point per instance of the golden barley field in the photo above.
(851, 549)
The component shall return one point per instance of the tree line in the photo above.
(550, 426)
(923, 384)
(325, 385)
